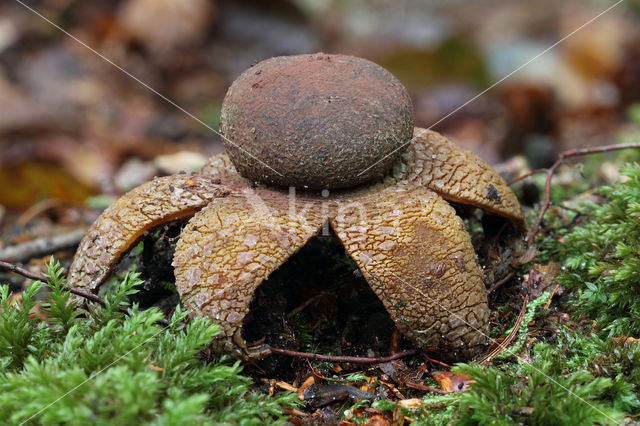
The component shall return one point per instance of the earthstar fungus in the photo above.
(407, 240)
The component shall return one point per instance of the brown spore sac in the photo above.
(316, 121)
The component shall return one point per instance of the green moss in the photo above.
(115, 368)
(574, 379)
(603, 258)
(578, 380)
(524, 327)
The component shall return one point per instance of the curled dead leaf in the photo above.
(451, 383)
(310, 380)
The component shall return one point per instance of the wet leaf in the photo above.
(24, 184)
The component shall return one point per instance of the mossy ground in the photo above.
(576, 359)
(62, 365)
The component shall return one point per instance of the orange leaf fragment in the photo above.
(15, 300)
(286, 386)
(377, 420)
(627, 340)
(411, 403)
(310, 380)
(450, 382)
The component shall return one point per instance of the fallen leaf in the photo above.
(411, 403)
(451, 383)
(15, 300)
(627, 340)
(310, 380)
(377, 420)
(286, 386)
(528, 255)
(164, 26)
(542, 278)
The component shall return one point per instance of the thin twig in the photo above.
(526, 175)
(306, 303)
(296, 413)
(42, 246)
(551, 170)
(10, 267)
(510, 338)
(500, 283)
(331, 358)
(41, 207)
(318, 375)
(435, 361)
(6, 266)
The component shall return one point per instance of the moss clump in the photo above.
(572, 379)
(558, 387)
(603, 258)
(115, 368)
(578, 380)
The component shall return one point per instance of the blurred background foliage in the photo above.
(73, 125)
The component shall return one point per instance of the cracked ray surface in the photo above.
(459, 175)
(413, 250)
(233, 245)
(418, 258)
(158, 201)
